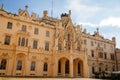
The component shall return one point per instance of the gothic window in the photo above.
(67, 67)
(112, 57)
(47, 46)
(33, 66)
(26, 42)
(92, 44)
(3, 64)
(85, 41)
(98, 45)
(45, 67)
(47, 33)
(105, 55)
(24, 28)
(19, 41)
(100, 55)
(35, 43)
(36, 31)
(68, 37)
(9, 25)
(7, 40)
(92, 53)
(59, 46)
(23, 42)
(19, 65)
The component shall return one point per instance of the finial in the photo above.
(26, 7)
(2, 7)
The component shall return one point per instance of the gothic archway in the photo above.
(77, 67)
(63, 67)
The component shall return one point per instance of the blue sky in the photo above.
(104, 14)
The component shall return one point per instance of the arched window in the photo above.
(26, 42)
(45, 67)
(33, 66)
(19, 65)
(19, 41)
(47, 46)
(67, 67)
(23, 42)
(3, 64)
(59, 46)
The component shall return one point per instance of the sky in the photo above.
(92, 14)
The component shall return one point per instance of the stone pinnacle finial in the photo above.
(26, 7)
(2, 7)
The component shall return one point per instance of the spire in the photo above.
(52, 9)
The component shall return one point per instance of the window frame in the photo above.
(47, 33)
(32, 67)
(36, 31)
(9, 25)
(7, 40)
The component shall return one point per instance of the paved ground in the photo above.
(9, 78)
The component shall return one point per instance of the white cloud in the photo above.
(88, 24)
(111, 21)
(81, 10)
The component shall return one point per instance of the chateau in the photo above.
(45, 46)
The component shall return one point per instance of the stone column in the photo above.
(63, 68)
(71, 67)
(56, 69)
